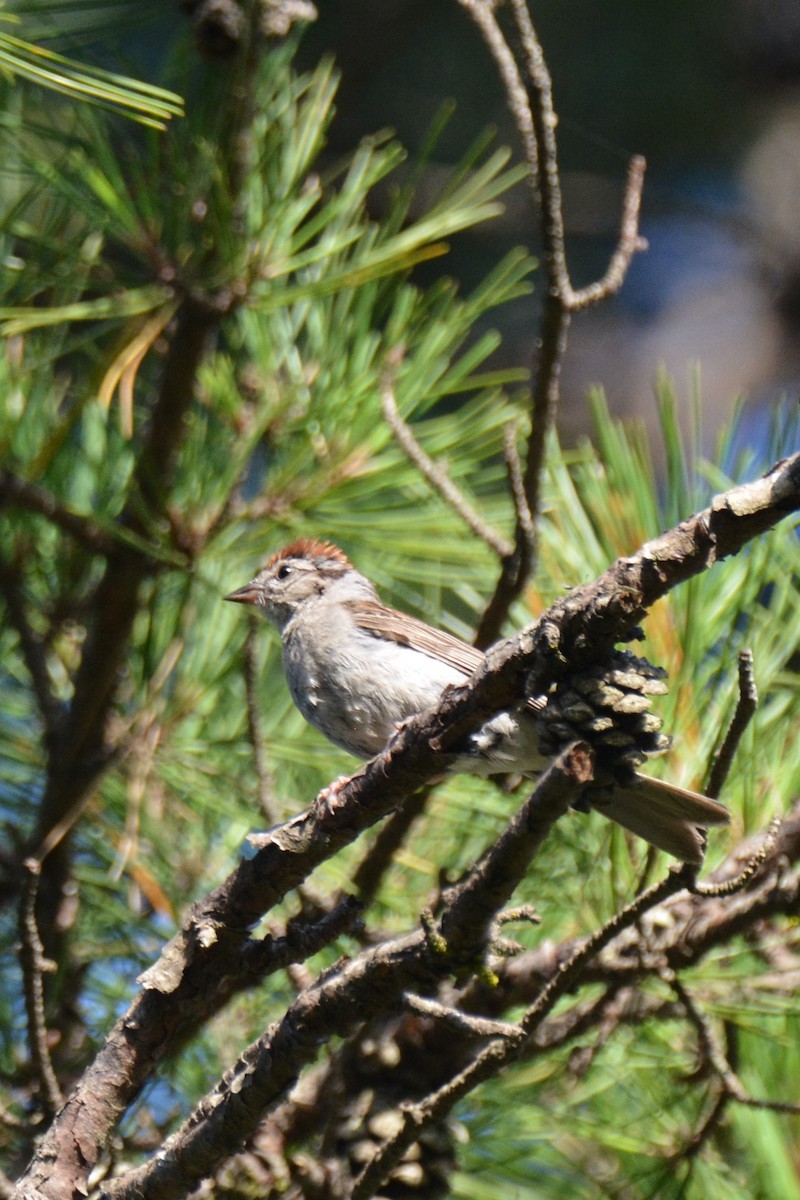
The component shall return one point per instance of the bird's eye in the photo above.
(284, 570)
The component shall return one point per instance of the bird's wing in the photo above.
(377, 619)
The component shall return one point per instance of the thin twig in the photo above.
(34, 965)
(540, 94)
(705, 1130)
(381, 854)
(729, 886)
(541, 156)
(629, 242)
(715, 1056)
(522, 912)
(539, 87)
(529, 97)
(674, 881)
(460, 1022)
(482, 14)
(59, 832)
(255, 723)
(499, 1054)
(435, 474)
(525, 521)
(745, 710)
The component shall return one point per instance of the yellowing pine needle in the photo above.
(123, 370)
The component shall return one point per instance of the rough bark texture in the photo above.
(213, 955)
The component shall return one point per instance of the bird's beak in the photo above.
(248, 594)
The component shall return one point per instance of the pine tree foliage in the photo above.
(27, 26)
(236, 238)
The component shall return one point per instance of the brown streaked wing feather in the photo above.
(408, 631)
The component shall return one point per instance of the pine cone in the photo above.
(608, 706)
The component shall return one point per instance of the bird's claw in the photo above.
(329, 794)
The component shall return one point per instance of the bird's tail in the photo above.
(669, 817)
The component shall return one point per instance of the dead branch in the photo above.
(499, 1053)
(529, 97)
(745, 711)
(185, 987)
(434, 472)
(350, 993)
(714, 1054)
(34, 965)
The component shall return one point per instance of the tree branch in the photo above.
(34, 965)
(680, 933)
(745, 711)
(184, 988)
(715, 1055)
(352, 992)
(494, 878)
(529, 96)
(435, 474)
(500, 1053)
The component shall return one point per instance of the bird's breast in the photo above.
(356, 689)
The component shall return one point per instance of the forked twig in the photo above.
(501, 1052)
(529, 97)
(629, 242)
(729, 887)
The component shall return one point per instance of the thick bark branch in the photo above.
(368, 987)
(184, 988)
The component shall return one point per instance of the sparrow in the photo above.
(357, 669)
